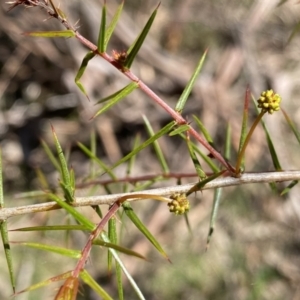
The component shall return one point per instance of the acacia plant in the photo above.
(222, 172)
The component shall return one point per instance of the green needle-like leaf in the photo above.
(67, 184)
(97, 210)
(52, 227)
(163, 131)
(89, 280)
(56, 12)
(135, 47)
(274, 188)
(61, 13)
(126, 185)
(244, 125)
(228, 143)
(206, 158)
(72, 179)
(42, 179)
(118, 248)
(118, 94)
(111, 27)
(101, 38)
(147, 184)
(51, 34)
(71, 210)
(138, 223)
(50, 155)
(93, 146)
(204, 130)
(92, 155)
(187, 222)
(54, 249)
(116, 97)
(289, 187)
(33, 194)
(188, 89)
(112, 236)
(131, 163)
(119, 261)
(62, 161)
(179, 129)
(156, 147)
(7, 251)
(213, 216)
(201, 184)
(292, 125)
(195, 160)
(46, 282)
(271, 147)
(4, 233)
(81, 70)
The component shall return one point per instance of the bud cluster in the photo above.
(269, 101)
(179, 204)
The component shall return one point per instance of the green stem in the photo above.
(242, 152)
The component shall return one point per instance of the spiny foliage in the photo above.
(177, 202)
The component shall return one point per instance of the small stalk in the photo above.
(242, 152)
(269, 102)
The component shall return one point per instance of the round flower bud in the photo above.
(179, 204)
(269, 101)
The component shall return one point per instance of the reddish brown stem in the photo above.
(87, 249)
(174, 114)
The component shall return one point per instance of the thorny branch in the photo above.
(116, 199)
(55, 12)
(6, 213)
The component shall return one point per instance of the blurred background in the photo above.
(254, 253)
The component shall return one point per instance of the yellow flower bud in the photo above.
(179, 204)
(269, 101)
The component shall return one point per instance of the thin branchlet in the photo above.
(48, 6)
(26, 3)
